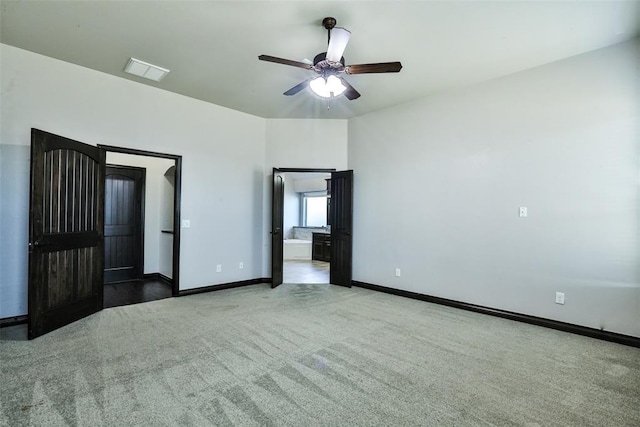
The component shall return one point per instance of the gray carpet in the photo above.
(312, 355)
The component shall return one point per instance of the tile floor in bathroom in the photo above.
(300, 271)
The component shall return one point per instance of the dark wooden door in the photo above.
(124, 224)
(341, 228)
(277, 224)
(66, 224)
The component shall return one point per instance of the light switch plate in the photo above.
(523, 212)
(186, 223)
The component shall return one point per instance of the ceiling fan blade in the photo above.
(285, 61)
(350, 93)
(297, 88)
(337, 43)
(382, 67)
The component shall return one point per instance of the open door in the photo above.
(66, 221)
(341, 228)
(277, 224)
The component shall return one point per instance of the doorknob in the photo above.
(36, 244)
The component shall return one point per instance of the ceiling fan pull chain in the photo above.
(328, 104)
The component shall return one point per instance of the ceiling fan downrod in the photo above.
(329, 23)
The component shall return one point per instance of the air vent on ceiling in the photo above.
(145, 70)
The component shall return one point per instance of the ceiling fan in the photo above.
(330, 66)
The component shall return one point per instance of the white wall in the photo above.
(312, 184)
(165, 261)
(14, 182)
(154, 205)
(438, 184)
(306, 143)
(291, 206)
(299, 143)
(223, 162)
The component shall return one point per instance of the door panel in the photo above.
(66, 220)
(277, 225)
(341, 228)
(123, 224)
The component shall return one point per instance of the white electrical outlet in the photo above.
(218, 268)
(240, 265)
(559, 297)
(397, 272)
(523, 212)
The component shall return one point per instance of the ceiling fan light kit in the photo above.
(327, 88)
(330, 65)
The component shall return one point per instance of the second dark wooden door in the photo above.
(277, 224)
(341, 227)
(124, 224)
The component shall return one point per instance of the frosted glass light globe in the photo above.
(329, 88)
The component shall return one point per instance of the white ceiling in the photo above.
(212, 47)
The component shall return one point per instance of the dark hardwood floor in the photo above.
(135, 292)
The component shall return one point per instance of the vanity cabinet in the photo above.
(321, 247)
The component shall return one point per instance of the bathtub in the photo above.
(297, 249)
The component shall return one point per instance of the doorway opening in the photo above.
(142, 247)
(307, 227)
(66, 229)
(322, 207)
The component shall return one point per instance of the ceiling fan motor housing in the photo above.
(320, 62)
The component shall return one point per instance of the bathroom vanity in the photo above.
(321, 247)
